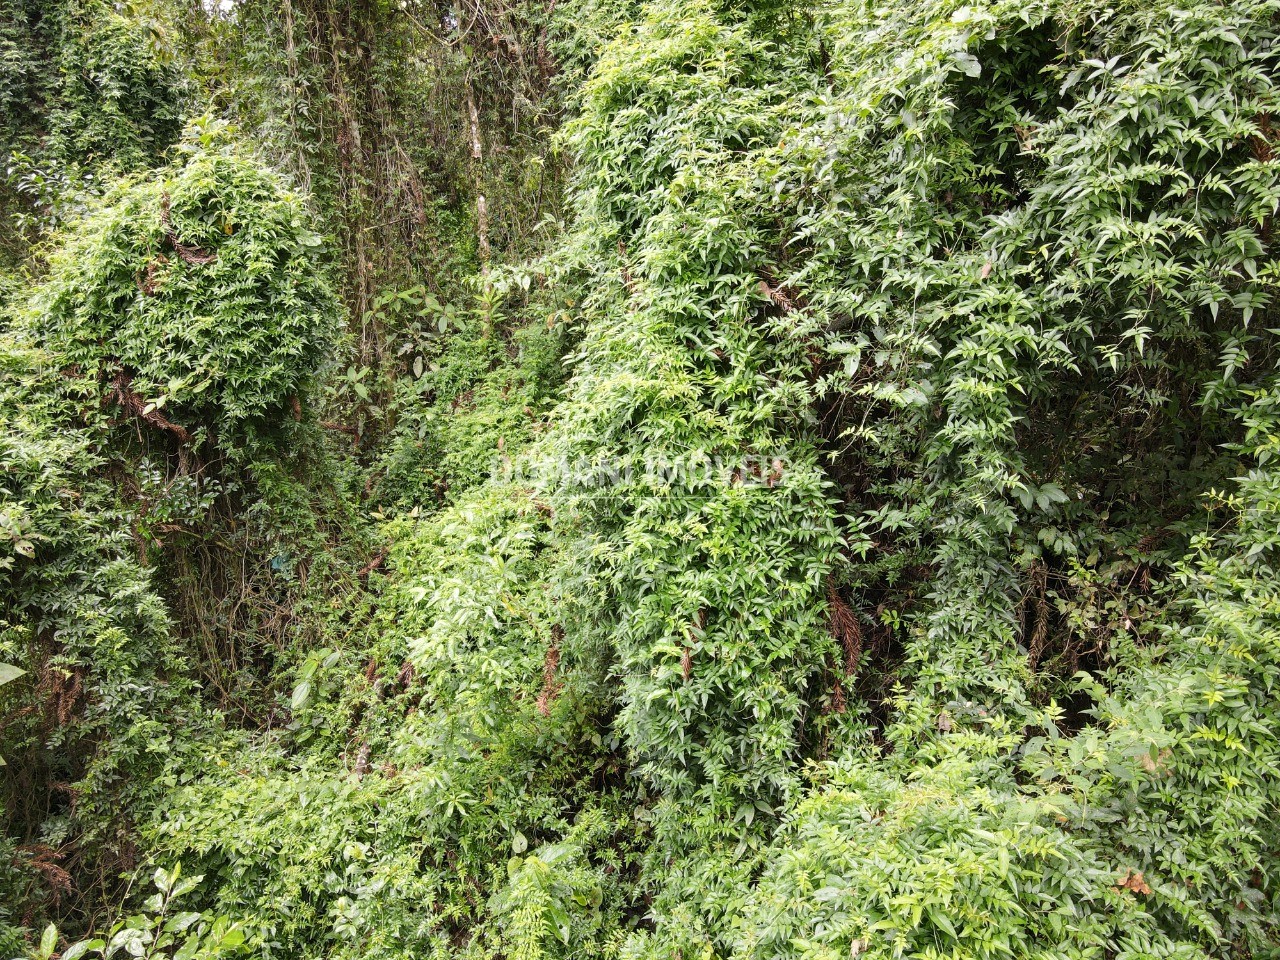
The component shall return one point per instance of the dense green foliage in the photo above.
(198, 290)
(85, 92)
(821, 504)
(78, 615)
(95, 476)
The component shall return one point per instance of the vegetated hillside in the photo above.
(678, 480)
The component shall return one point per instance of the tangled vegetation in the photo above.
(193, 295)
(673, 480)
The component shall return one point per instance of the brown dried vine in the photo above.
(192, 255)
(550, 685)
(44, 860)
(374, 564)
(844, 627)
(148, 284)
(135, 406)
(1039, 635)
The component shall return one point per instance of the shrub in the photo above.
(193, 299)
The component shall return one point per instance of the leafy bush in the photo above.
(87, 90)
(943, 864)
(193, 296)
(83, 506)
(159, 931)
(77, 613)
(115, 99)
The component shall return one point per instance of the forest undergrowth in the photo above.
(639, 480)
